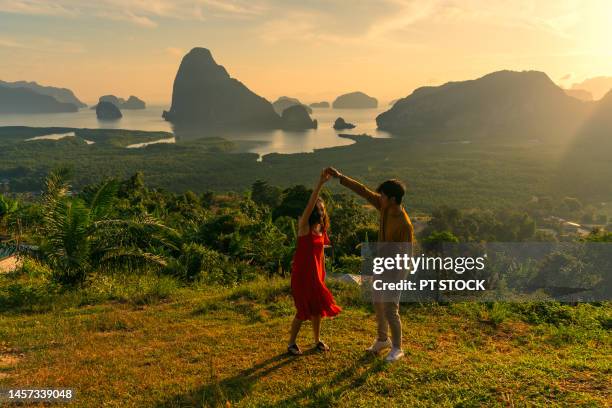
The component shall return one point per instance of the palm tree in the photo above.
(81, 235)
(8, 208)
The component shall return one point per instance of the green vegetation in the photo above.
(482, 174)
(25, 164)
(214, 238)
(140, 296)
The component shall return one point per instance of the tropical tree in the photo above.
(8, 208)
(80, 234)
(263, 193)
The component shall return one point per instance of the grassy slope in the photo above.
(206, 347)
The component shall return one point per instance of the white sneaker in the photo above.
(379, 346)
(394, 355)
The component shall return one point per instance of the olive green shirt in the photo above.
(393, 226)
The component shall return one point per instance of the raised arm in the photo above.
(303, 227)
(371, 196)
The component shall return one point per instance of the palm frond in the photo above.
(66, 231)
(102, 199)
(56, 184)
(124, 254)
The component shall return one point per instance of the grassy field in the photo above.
(151, 343)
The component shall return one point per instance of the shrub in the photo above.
(349, 264)
(198, 262)
(33, 268)
(498, 313)
(131, 288)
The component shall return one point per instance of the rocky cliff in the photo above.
(205, 95)
(108, 111)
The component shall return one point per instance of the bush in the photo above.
(349, 264)
(131, 288)
(30, 296)
(591, 316)
(33, 268)
(498, 313)
(198, 262)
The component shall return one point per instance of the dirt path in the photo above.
(9, 264)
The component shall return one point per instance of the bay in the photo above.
(260, 141)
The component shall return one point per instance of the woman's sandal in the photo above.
(294, 350)
(322, 346)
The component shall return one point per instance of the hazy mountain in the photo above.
(205, 94)
(296, 117)
(598, 86)
(24, 100)
(355, 100)
(106, 110)
(579, 94)
(133, 102)
(284, 102)
(501, 104)
(598, 125)
(321, 104)
(115, 100)
(60, 94)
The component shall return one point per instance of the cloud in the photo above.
(139, 20)
(35, 7)
(41, 44)
(175, 51)
(9, 43)
(556, 18)
(297, 26)
(234, 7)
(139, 12)
(390, 22)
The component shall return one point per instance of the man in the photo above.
(394, 226)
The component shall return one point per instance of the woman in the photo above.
(311, 297)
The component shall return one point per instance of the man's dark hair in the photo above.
(393, 189)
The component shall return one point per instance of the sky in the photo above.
(310, 49)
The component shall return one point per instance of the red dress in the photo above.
(310, 295)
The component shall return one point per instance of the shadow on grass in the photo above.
(218, 393)
(327, 392)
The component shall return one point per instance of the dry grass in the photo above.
(218, 347)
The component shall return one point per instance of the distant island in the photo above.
(355, 100)
(296, 117)
(341, 124)
(204, 95)
(284, 102)
(108, 111)
(503, 104)
(63, 95)
(322, 104)
(133, 102)
(24, 100)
